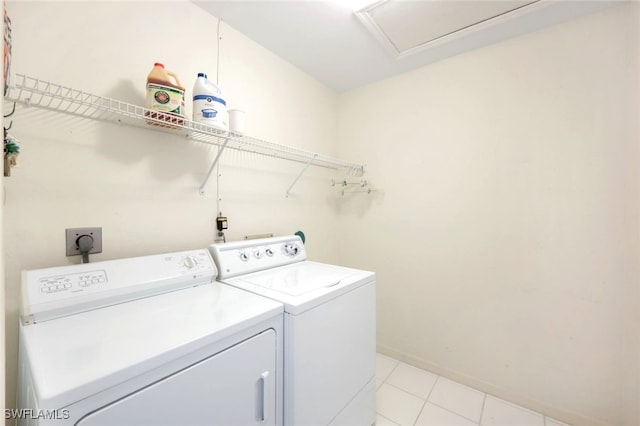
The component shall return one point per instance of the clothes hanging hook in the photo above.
(12, 111)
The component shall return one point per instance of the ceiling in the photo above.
(346, 44)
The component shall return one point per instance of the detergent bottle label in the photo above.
(209, 106)
(165, 98)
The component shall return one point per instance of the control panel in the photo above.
(243, 257)
(53, 292)
(71, 281)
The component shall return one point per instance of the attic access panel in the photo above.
(407, 27)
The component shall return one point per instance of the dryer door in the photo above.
(234, 387)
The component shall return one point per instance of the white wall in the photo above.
(506, 241)
(511, 201)
(140, 186)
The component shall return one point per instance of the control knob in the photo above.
(290, 249)
(189, 262)
(244, 256)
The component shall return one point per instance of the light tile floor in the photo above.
(408, 396)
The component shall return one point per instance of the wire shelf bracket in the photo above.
(304, 169)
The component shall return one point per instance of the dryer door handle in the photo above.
(262, 396)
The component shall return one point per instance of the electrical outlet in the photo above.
(74, 233)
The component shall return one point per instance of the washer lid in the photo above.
(301, 278)
(303, 285)
(79, 355)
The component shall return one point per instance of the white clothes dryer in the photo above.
(147, 341)
(329, 325)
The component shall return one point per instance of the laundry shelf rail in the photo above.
(40, 93)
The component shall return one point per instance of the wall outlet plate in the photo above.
(72, 234)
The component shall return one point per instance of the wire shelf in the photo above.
(43, 94)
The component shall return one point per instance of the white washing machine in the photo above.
(329, 325)
(153, 340)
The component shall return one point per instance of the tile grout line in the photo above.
(411, 393)
(434, 385)
(457, 414)
(384, 382)
(386, 418)
(438, 405)
(424, 404)
(405, 391)
(419, 412)
(451, 411)
(438, 377)
(484, 401)
(392, 370)
(427, 398)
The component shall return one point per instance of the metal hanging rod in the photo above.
(367, 191)
(344, 182)
(39, 93)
